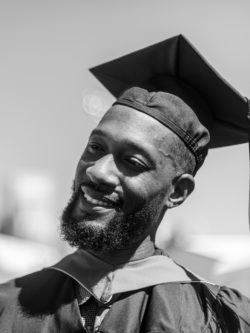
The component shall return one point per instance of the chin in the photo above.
(111, 230)
(90, 230)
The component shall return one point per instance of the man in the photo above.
(139, 162)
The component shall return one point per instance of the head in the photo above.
(132, 170)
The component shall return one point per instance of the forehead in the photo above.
(125, 122)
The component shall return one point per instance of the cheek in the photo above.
(139, 191)
(80, 173)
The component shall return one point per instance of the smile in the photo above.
(97, 199)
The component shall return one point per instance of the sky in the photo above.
(46, 49)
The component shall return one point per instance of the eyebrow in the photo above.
(129, 144)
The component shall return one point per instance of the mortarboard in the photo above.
(164, 66)
(176, 67)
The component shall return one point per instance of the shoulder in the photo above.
(234, 305)
(180, 294)
(30, 291)
(192, 303)
(200, 305)
(198, 288)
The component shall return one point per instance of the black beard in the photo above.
(120, 232)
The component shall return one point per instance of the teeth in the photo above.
(93, 201)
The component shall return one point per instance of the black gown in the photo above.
(45, 301)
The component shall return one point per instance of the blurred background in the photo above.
(49, 103)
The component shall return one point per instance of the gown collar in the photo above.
(102, 279)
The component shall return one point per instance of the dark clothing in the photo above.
(45, 301)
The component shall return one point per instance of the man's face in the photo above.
(122, 181)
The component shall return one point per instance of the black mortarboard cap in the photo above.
(175, 66)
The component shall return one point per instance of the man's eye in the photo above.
(94, 147)
(136, 164)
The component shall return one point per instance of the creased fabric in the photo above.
(102, 279)
(46, 302)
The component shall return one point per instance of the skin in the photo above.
(127, 161)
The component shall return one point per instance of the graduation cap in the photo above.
(176, 59)
(174, 66)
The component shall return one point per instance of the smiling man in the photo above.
(127, 175)
(139, 162)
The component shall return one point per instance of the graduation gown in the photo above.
(45, 301)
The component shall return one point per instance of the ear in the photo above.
(182, 187)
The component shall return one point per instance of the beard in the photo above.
(119, 231)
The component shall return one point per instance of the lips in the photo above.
(96, 198)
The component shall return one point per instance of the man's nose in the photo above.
(104, 171)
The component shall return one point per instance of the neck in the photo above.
(135, 252)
